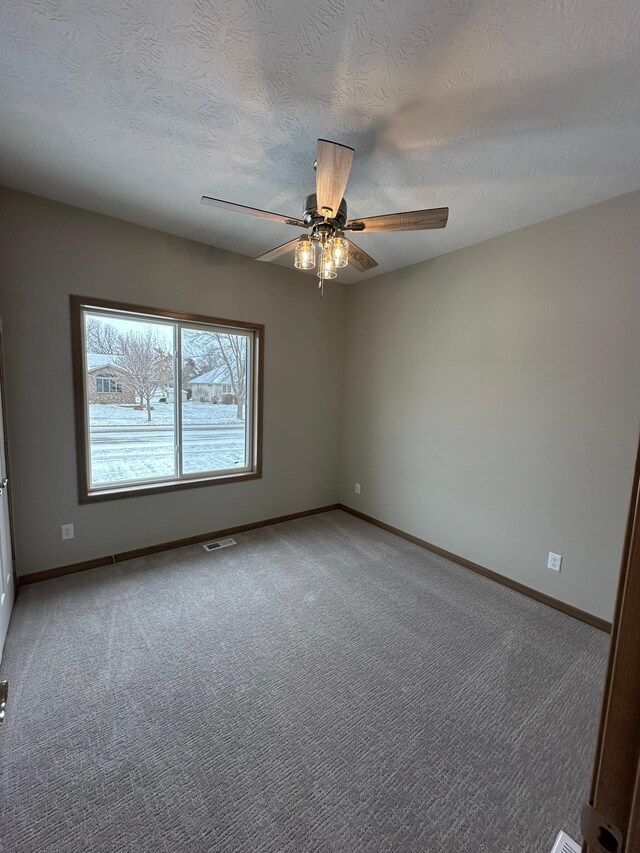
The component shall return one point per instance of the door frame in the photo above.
(5, 427)
(615, 785)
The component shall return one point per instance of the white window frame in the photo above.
(112, 380)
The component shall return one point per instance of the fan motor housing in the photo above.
(311, 215)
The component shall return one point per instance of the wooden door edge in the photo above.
(615, 786)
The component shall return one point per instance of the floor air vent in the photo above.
(565, 844)
(221, 543)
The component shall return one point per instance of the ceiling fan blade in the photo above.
(252, 211)
(279, 250)
(359, 258)
(333, 165)
(412, 220)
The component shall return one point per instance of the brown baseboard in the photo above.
(575, 612)
(59, 571)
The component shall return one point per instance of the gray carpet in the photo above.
(323, 686)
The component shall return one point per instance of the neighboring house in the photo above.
(107, 382)
(212, 386)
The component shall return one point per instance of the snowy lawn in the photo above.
(126, 447)
(111, 466)
(162, 415)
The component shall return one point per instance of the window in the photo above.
(106, 385)
(162, 432)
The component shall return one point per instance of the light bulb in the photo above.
(305, 258)
(340, 251)
(326, 268)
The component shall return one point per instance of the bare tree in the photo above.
(189, 370)
(149, 364)
(102, 337)
(233, 352)
(220, 351)
(200, 353)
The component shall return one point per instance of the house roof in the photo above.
(218, 376)
(96, 360)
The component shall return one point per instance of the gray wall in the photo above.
(492, 399)
(48, 251)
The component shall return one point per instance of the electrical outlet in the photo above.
(357, 488)
(67, 531)
(554, 562)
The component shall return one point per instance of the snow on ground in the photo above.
(153, 463)
(105, 471)
(126, 447)
(162, 415)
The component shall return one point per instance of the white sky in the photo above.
(165, 331)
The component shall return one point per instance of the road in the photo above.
(138, 438)
(202, 445)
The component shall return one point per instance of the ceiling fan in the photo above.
(325, 219)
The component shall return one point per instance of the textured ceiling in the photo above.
(507, 111)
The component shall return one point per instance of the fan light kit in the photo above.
(324, 247)
(334, 252)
